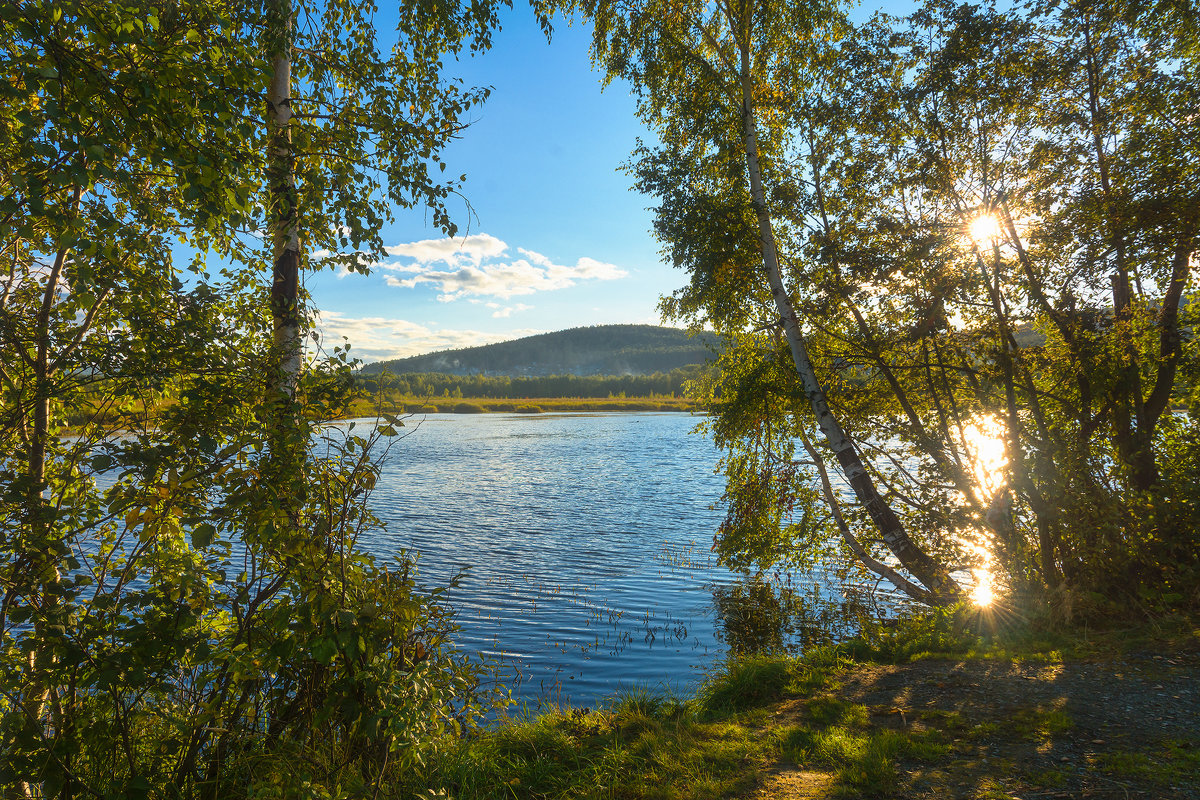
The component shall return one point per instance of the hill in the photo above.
(596, 350)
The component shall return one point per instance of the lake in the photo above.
(585, 539)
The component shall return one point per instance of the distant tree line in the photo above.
(432, 384)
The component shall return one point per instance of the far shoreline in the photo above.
(369, 407)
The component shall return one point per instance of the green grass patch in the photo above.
(747, 682)
(945, 720)
(640, 745)
(863, 759)
(718, 742)
(837, 736)
(1038, 724)
(1047, 778)
(985, 730)
(1171, 761)
(1024, 635)
(1034, 724)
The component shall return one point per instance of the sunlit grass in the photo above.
(1041, 723)
(755, 713)
(747, 682)
(837, 735)
(639, 745)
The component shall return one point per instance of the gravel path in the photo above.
(1110, 729)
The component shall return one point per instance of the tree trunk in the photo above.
(284, 214)
(925, 569)
(39, 548)
(287, 435)
(835, 508)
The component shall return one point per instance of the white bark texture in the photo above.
(285, 230)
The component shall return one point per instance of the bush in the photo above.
(422, 408)
(192, 680)
(746, 682)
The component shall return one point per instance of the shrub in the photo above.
(746, 682)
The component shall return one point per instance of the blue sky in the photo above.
(556, 238)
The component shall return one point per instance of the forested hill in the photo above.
(597, 350)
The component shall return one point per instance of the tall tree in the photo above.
(1026, 226)
(714, 80)
(161, 618)
(967, 235)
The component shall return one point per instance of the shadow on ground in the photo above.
(1114, 728)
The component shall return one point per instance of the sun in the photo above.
(984, 229)
(984, 593)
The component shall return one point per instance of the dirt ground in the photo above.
(1107, 729)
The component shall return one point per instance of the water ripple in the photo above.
(579, 534)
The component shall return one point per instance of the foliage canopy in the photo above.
(822, 183)
(185, 610)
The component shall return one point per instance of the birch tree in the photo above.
(168, 616)
(713, 81)
(984, 223)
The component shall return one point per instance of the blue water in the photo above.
(585, 539)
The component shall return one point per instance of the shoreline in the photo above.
(1007, 715)
(365, 407)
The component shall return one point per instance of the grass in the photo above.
(747, 683)
(1017, 635)
(1039, 723)
(712, 745)
(760, 713)
(1167, 762)
(639, 745)
(838, 736)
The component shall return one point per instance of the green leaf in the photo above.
(203, 535)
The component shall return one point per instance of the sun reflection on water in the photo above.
(984, 446)
(983, 594)
(987, 456)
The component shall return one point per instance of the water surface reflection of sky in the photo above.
(585, 539)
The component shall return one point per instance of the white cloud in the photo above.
(381, 338)
(503, 312)
(468, 250)
(536, 258)
(473, 267)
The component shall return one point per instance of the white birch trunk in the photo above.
(934, 577)
(284, 216)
